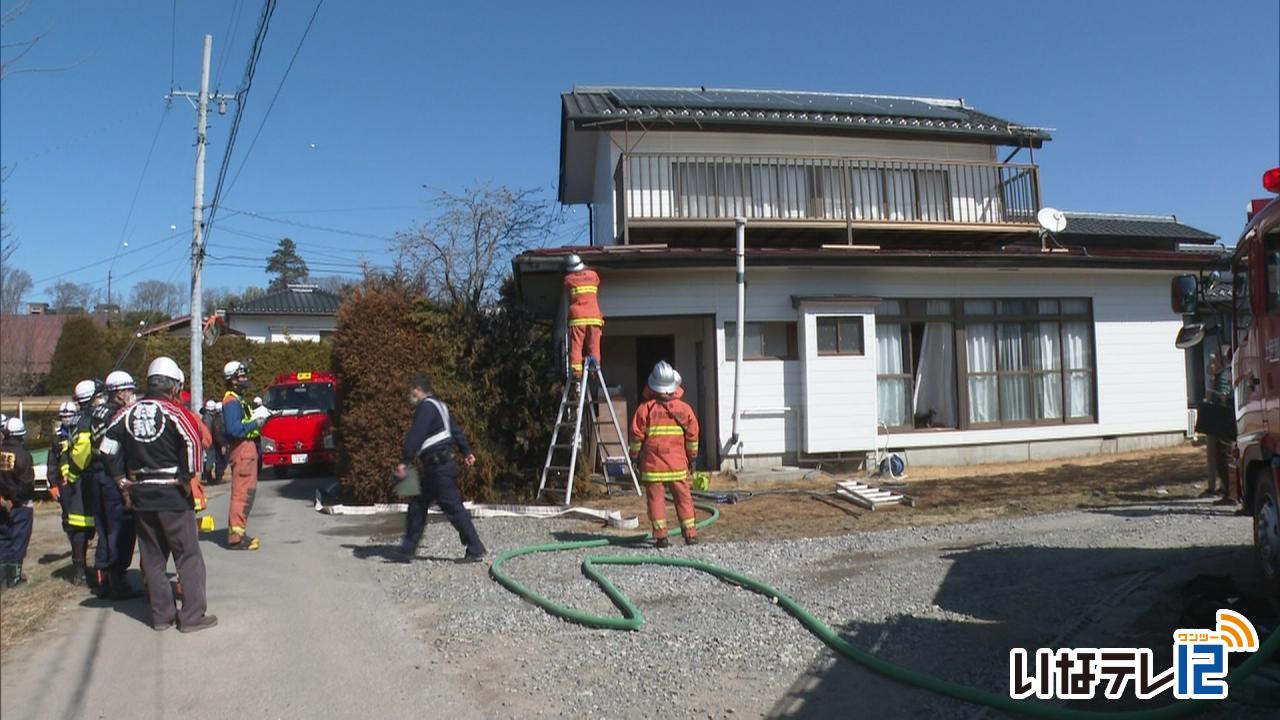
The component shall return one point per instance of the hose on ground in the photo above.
(632, 619)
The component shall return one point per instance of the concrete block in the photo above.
(1060, 449)
(968, 455)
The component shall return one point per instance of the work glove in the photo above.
(261, 413)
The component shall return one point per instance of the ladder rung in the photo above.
(563, 445)
(558, 467)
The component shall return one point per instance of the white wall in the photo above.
(282, 328)
(1140, 375)
(838, 413)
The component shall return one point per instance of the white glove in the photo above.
(261, 413)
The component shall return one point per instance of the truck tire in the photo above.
(1266, 531)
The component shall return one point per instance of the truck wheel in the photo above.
(1266, 531)
(282, 471)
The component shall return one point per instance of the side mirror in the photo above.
(1185, 289)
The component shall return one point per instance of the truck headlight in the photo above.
(268, 445)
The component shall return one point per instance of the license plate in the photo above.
(298, 459)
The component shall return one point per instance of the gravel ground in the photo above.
(949, 601)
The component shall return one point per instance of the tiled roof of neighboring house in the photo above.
(839, 113)
(1161, 227)
(294, 300)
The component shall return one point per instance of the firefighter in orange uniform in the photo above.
(664, 444)
(586, 323)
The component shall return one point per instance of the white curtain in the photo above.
(936, 376)
(1077, 346)
(1046, 361)
(980, 344)
(891, 393)
(1015, 390)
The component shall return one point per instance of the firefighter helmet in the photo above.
(67, 410)
(165, 367)
(210, 406)
(574, 263)
(85, 391)
(15, 427)
(664, 379)
(120, 380)
(234, 368)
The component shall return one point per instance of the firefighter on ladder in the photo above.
(243, 425)
(664, 444)
(586, 323)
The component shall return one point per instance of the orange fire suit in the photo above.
(586, 323)
(664, 443)
(243, 433)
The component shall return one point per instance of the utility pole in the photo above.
(195, 378)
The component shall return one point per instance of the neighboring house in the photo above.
(181, 327)
(899, 292)
(299, 312)
(27, 343)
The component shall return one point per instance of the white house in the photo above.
(899, 292)
(298, 312)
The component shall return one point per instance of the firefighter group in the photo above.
(125, 467)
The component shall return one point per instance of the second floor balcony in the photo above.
(655, 190)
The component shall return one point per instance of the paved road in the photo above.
(304, 631)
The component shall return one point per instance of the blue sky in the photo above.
(1159, 107)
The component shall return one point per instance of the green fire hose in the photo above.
(632, 619)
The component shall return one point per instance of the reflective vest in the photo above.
(245, 411)
(664, 437)
(77, 453)
(583, 287)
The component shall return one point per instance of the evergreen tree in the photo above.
(287, 265)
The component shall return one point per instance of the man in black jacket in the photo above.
(431, 442)
(17, 488)
(153, 449)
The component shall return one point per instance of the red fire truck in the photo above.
(1250, 322)
(302, 433)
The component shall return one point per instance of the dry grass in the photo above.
(946, 495)
(29, 608)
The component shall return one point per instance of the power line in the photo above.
(137, 190)
(271, 106)
(232, 24)
(98, 263)
(319, 228)
(173, 43)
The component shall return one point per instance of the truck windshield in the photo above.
(302, 397)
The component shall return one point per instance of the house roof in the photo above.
(845, 113)
(1122, 226)
(180, 325)
(293, 300)
(29, 341)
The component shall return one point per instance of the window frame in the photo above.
(793, 343)
(838, 321)
(912, 311)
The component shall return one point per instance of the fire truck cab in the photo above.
(302, 433)
(1251, 328)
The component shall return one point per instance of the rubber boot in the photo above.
(120, 589)
(5, 578)
(101, 583)
(79, 575)
(15, 576)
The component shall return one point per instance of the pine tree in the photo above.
(287, 265)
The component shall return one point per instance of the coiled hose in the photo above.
(632, 619)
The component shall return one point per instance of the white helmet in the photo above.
(85, 391)
(210, 406)
(574, 263)
(67, 410)
(664, 378)
(234, 368)
(120, 380)
(257, 401)
(15, 427)
(166, 367)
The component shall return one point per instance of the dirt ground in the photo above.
(25, 611)
(947, 495)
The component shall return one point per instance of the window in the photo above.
(762, 340)
(1272, 245)
(1008, 361)
(840, 335)
(1244, 310)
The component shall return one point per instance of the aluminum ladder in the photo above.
(557, 470)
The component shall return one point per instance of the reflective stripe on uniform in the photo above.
(236, 530)
(689, 522)
(657, 430)
(691, 446)
(582, 289)
(80, 521)
(659, 476)
(581, 322)
(636, 447)
(659, 524)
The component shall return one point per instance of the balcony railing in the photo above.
(674, 189)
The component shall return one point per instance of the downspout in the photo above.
(735, 442)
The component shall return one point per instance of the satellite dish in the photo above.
(1052, 219)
